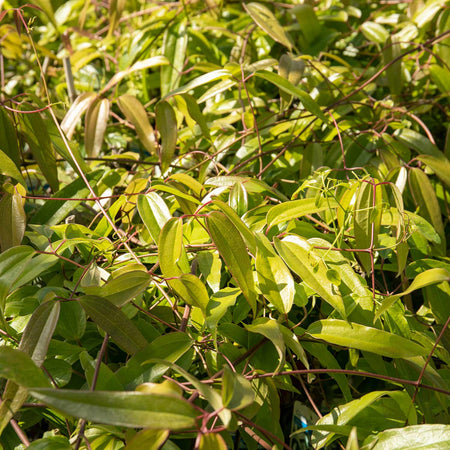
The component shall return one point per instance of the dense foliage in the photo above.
(215, 211)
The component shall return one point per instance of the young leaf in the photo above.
(166, 122)
(294, 209)
(111, 319)
(274, 278)
(154, 213)
(123, 409)
(265, 19)
(270, 329)
(301, 258)
(134, 112)
(353, 335)
(231, 247)
(96, 119)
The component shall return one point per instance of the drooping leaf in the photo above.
(76, 110)
(13, 217)
(135, 112)
(97, 115)
(265, 19)
(274, 278)
(125, 409)
(237, 392)
(9, 168)
(301, 258)
(111, 319)
(212, 441)
(354, 335)
(154, 213)
(441, 166)
(231, 247)
(166, 122)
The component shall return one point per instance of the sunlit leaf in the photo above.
(167, 127)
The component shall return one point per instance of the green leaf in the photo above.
(194, 111)
(35, 341)
(112, 320)
(174, 49)
(270, 329)
(166, 122)
(440, 166)
(299, 255)
(122, 289)
(9, 168)
(154, 213)
(191, 290)
(13, 218)
(431, 276)
(274, 278)
(96, 119)
(353, 335)
(374, 32)
(212, 441)
(51, 443)
(308, 103)
(148, 439)
(54, 211)
(17, 366)
(417, 142)
(265, 19)
(218, 305)
(294, 209)
(72, 321)
(237, 392)
(170, 248)
(8, 138)
(124, 409)
(135, 112)
(425, 437)
(231, 247)
(391, 51)
(38, 138)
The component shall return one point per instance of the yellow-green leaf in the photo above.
(166, 122)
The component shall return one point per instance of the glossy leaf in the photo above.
(166, 122)
(125, 409)
(301, 258)
(112, 320)
(353, 335)
(394, 74)
(441, 166)
(97, 115)
(237, 392)
(264, 18)
(170, 248)
(13, 218)
(154, 213)
(270, 329)
(274, 278)
(427, 278)
(231, 247)
(135, 112)
(76, 110)
(374, 32)
(149, 439)
(294, 209)
(9, 168)
(212, 441)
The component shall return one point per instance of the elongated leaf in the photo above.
(140, 65)
(417, 142)
(111, 319)
(170, 247)
(166, 122)
(17, 366)
(342, 415)
(122, 289)
(8, 138)
(427, 278)
(35, 341)
(212, 441)
(441, 166)
(174, 49)
(218, 305)
(76, 110)
(116, 8)
(425, 198)
(309, 104)
(353, 335)
(97, 116)
(135, 112)
(294, 209)
(301, 258)
(148, 439)
(13, 218)
(367, 220)
(9, 168)
(374, 32)
(274, 278)
(265, 19)
(270, 329)
(125, 409)
(231, 247)
(237, 392)
(38, 138)
(394, 74)
(154, 213)
(200, 81)
(191, 290)
(53, 211)
(194, 111)
(425, 437)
